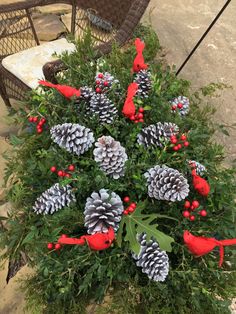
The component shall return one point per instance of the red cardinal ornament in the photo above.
(200, 246)
(139, 63)
(129, 107)
(200, 184)
(97, 242)
(65, 90)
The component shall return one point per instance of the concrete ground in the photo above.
(179, 24)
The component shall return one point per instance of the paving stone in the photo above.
(48, 27)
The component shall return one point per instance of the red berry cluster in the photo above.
(179, 106)
(40, 123)
(138, 117)
(100, 84)
(179, 142)
(56, 246)
(62, 173)
(131, 208)
(189, 207)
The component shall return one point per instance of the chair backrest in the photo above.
(105, 18)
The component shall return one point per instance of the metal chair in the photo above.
(109, 20)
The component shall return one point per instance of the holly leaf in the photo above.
(137, 223)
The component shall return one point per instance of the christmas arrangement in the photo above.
(118, 190)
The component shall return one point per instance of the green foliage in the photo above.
(66, 282)
(137, 223)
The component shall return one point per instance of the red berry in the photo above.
(97, 82)
(140, 115)
(173, 107)
(136, 121)
(187, 204)
(125, 212)
(186, 144)
(60, 173)
(179, 146)
(175, 148)
(98, 90)
(50, 246)
(186, 213)
(100, 75)
(53, 169)
(68, 175)
(31, 119)
(203, 213)
(173, 137)
(40, 124)
(195, 204)
(192, 207)
(173, 140)
(133, 205)
(57, 246)
(180, 106)
(141, 109)
(132, 118)
(126, 199)
(192, 218)
(183, 137)
(39, 130)
(64, 236)
(131, 209)
(105, 83)
(141, 120)
(35, 119)
(71, 167)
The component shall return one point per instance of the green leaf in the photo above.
(15, 141)
(147, 108)
(137, 223)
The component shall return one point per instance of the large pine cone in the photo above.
(102, 211)
(111, 156)
(103, 107)
(157, 134)
(53, 199)
(167, 184)
(143, 79)
(75, 138)
(154, 261)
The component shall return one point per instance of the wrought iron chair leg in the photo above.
(203, 36)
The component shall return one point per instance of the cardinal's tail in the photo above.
(132, 90)
(129, 107)
(139, 44)
(228, 242)
(71, 241)
(221, 255)
(48, 84)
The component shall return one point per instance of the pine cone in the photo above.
(200, 169)
(75, 138)
(157, 134)
(56, 197)
(105, 81)
(183, 102)
(102, 211)
(165, 183)
(103, 107)
(111, 156)
(154, 261)
(143, 79)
